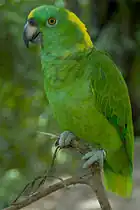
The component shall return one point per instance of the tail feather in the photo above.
(119, 184)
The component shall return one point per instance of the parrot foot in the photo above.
(65, 139)
(96, 155)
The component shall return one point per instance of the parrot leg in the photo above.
(65, 139)
(96, 155)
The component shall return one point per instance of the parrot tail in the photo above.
(117, 183)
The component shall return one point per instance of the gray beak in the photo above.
(31, 33)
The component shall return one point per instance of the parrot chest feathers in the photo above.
(68, 103)
(74, 105)
(59, 72)
(62, 71)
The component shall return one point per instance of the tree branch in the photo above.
(50, 189)
(94, 181)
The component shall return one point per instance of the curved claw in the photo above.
(65, 139)
(96, 155)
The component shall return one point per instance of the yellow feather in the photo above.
(75, 19)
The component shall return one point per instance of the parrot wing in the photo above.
(112, 98)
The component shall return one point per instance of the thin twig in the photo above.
(47, 172)
(42, 178)
(52, 188)
(52, 136)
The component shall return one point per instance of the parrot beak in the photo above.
(31, 33)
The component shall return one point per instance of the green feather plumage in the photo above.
(87, 94)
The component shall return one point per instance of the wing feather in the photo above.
(112, 98)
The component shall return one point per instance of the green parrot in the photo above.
(86, 92)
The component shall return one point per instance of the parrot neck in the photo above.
(64, 52)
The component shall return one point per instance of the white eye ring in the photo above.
(51, 22)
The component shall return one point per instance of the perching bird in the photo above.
(86, 92)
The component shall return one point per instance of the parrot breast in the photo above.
(74, 109)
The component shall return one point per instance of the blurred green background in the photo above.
(114, 26)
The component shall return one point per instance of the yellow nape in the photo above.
(82, 27)
(75, 19)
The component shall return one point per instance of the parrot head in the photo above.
(56, 30)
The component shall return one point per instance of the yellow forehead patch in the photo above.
(31, 14)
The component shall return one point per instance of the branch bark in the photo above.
(50, 189)
(94, 181)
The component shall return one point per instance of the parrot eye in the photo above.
(51, 21)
